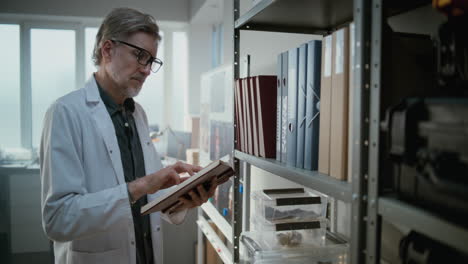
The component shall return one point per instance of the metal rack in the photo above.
(316, 17)
(386, 207)
(368, 207)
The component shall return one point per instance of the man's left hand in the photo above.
(197, 199)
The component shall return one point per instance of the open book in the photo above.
(169, 202)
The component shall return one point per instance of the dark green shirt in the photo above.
(133, 165)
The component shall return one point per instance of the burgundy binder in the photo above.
(266, 109)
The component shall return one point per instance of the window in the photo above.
(56, 58)
(179, 100)
(151, 96)
(90, 39)
(57, 79)
(10, 86)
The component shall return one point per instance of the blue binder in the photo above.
(291, 137)
(278, 106)
(284, 106)
(314, 59)
(301, 105)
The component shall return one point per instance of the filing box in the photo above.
(279, 205)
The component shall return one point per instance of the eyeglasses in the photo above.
(144, 57)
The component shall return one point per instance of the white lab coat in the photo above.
(85, 204)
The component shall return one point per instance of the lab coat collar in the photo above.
(92, 92)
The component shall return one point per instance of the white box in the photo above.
(255, 251)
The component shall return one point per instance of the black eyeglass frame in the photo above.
(151, 59)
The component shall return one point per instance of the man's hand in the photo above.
(200, 198)
(161, 179)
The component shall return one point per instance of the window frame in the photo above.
(26, 22)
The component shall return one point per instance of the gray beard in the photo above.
(131, 92)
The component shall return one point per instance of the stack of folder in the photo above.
(314, 107)
(298, 103)
(255, 107)
(335, 107)
(312, 98)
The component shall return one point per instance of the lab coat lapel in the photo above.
(103, 121)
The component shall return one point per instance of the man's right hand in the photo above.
(161, 179)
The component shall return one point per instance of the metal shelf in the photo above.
(323, 183)
(218, 219)
(298, 16)
(424, 222)
(212, 237)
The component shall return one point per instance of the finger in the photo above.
(190, 172)
(213, 187)
(187, 203)
(177, 167)
(175, 177)
(181, 167)
(203, 195)
(195, 198)
(197, 168)
(182, 179)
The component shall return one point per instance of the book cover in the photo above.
(325, 106)
(249, 114)
(169, 201)
(278, 106)
(301, 105)
(245, 114)
(284, 106)
(254, 114)
(314, 59)
(339, 109)
(291, 137)
(238, 111)
(266, 107)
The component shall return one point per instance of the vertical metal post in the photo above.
(237, 214)
(246, 197)
(80, 77)
(333, 205)
(373, 223)
(201, 241)
(360, 142)
(25, 86)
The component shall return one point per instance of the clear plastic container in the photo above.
(299, 204)
(289, 234)
(254, 250)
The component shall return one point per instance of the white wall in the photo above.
(173, 10)
(195, 6)
(200, 46)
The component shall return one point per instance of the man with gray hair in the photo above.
(98, 163)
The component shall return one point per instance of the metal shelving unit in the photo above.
(316, 17)
(218, 220)
(299, 16)
(215, 241)
(424, 222)
(368, 208)
(390, 208)
(323, 183)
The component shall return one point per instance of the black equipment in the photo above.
(428, 146)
